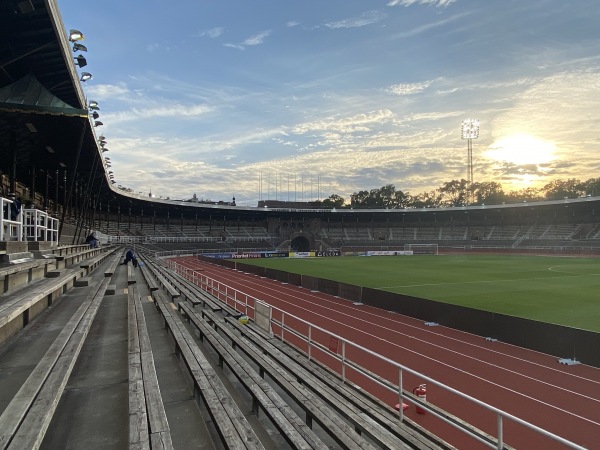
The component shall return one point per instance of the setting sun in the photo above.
(522, 149)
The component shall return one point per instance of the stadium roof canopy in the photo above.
(46, 132)
(45, 128)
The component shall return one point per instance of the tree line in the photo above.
(463, 193)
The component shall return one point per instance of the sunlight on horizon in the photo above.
(522, 149)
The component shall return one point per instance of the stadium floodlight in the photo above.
(85, 76)
(470, 131)
(97, 123)
(94, 107)
(95, 115)
(77, 47)
(76, 35)
(104, 150)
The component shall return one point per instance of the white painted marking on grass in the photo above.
(458, 283)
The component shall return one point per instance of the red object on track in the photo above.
(421, 392)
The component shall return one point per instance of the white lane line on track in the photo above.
(323, 297)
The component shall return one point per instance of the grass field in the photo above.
(561, 290)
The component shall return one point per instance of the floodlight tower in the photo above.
(470, 131)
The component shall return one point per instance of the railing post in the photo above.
(344, 361)
(282, 324)
(400, 397)
(500, 433)
(309, 341)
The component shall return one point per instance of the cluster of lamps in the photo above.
(76, 36)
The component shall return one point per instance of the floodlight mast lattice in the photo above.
(470, 131)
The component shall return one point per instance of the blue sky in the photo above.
(301, 99)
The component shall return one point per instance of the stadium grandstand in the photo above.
(97, 354)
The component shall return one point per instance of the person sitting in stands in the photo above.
(91, 239)
(130, 256)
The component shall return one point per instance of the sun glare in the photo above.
(522, 149)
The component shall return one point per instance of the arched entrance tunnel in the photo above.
(300, 244)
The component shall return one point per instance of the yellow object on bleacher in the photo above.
(243, 320)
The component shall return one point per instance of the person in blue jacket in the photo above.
(130, 256)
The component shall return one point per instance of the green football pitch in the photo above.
(560, 290)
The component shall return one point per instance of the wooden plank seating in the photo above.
(148, 423)
(345, 396)
(150, 280)
(18, 275)
(287, 422)
(130, 274)
(112, 267)
(196, 296)
(25, 420)
(358, 415)
(226, 416)
(19, 307)
(347, 430)
(411, 433)
(69, 249)
(74, 258)
(189, 290)
(91, 263)
(173, 293)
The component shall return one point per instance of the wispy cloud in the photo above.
(365, 19)
(212, 33)
(292, 23)
(257, 39)
(409, 88)
(436, 3)
(173, 110)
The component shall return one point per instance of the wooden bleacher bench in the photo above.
(74, 258)
(232, 426)
(18, 275)
(130, 274)
(25, 420)
(345, 394)
(162, 280)
(91, 263)
(150, 281)
(265, 354)
(287, 422)
(34, 297)
(148, 425)
(112, 267)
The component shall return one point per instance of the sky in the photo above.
(296, 100)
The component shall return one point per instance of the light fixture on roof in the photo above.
(94, 107)
(97, 123)
(61, 164)
(31, 127)
(76, 35)
(101, 137)
(80, 61)
(77, 47)
(49, 149)
(85, 76)
(104, 150)
(95, 114)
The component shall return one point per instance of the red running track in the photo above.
(564, 400)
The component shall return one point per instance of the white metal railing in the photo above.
(39, 226)
(11, 223)
(281, 320)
